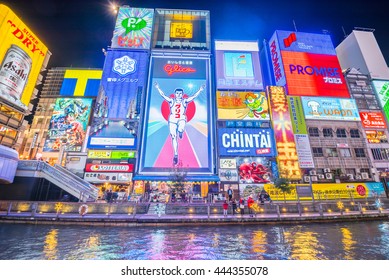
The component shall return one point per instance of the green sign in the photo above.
(122, 154)
(297, 115)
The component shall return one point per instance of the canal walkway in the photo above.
(163, 219)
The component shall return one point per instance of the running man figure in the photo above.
(177, 118)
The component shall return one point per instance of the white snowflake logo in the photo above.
(124, 65)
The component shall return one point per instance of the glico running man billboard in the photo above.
(237, 65)
(22, 55)
(68, 124)
(177, 124)
(307, 65)
(133, 28)
(119, 99)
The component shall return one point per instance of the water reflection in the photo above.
(362, 240)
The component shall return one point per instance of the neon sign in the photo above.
(283, 131)
(176, 68)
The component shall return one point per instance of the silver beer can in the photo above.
(14, 72)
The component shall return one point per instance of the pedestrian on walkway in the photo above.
(229, 192)
(233, 206)
(250, 202)
(241, 205)
(225, 208)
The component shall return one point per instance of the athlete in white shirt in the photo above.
(177, 118)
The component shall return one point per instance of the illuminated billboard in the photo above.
(372, 119)
(305, 42)
(306, 64)
(133, 28)
(182, 29)
(178, 117)
(68, 124)
(242, 105)
(22, 56)
(310, 74)
(338, 109)
(376, 136)
(256, 170)
(382, 91)
(90, 167)
(237, 65)
(81, 82)
(122, 86)
(287, 158)
(246, 141)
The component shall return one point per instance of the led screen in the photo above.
(22, 55)
(321, 108)
(177, 123)
(122, 87)
(133, 28)
(68, 124)
(242, 105)
(256, 170)
(237, 65)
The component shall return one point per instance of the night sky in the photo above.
(76, 31)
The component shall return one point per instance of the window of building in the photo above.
(327, 132)
(313, 132)
(354, 133)
(345, 152)
(331, 152)
(380, 154)
(341, 133)
(317, 152)
(359, 152)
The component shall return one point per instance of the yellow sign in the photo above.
(181, 30)
(99, 154)
(22, 54)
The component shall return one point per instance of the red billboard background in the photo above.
(309, 74)
(372, 119)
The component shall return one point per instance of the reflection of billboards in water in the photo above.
(177, 124)
(119, 100)
(237, 65)
(68, 124)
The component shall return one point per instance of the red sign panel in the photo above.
(109, 167)
(372, 119)
(309, 74)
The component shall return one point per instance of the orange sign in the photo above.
(181, 30)
(372, 119)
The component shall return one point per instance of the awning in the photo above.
(194, 178)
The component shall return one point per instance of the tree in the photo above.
(178, 178)
(283, 183)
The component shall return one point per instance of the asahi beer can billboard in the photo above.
(14, 73)
(22, 57)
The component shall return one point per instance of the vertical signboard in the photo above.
(286, 147)
(22, 55)
(382, 91)
(178, 117)
(276, 61)
(242, 105)
(300, 132)
(68, 124)
(123, 81)
(133, 28)
(237, 65)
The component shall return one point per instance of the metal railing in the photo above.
(62, 178)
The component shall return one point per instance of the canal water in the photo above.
(327, 241)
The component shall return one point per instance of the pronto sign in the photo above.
(15, 33)
(133, 28)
